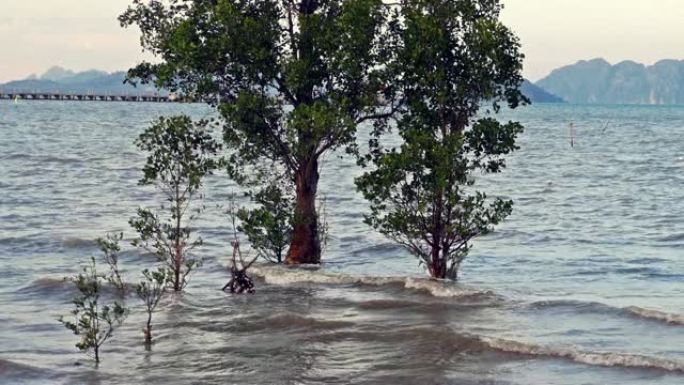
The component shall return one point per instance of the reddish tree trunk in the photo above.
(305, 246)
(177, 269)
(437, 268)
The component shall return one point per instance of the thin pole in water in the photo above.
(605, 126)
(572, 134)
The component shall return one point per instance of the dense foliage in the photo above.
(291, 81)
(269, 226)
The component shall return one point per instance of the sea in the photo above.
(582, 284)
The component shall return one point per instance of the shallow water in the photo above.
(583, 284)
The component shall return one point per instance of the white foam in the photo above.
(443, 288)
(589, 358)
(281, 275)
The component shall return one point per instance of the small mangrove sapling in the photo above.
(151, 290)
(268, 227)
(93, 322)
(180, 155)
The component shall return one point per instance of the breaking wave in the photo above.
(596, 307)
(590, 358)
(46, 158)
(280, 275)
(78, 243)
(386, 304)
(286, 320)
(263, 324)
(44, 286)
(9, 369)
(670, 318)
(48, 286)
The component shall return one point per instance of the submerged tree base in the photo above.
(240, 283)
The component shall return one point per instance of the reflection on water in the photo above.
(583, 285)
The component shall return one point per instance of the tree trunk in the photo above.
(438, 267)
(177, 268)
(306, 245)
(178, 256)
(148, 329)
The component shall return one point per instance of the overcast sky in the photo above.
(84, 34)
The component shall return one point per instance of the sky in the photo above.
(84, 34)
(554, 33)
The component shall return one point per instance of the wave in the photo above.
(276, 321)
(626, 360)
(11, 369)
(574, 306)
(25, 241)
(35, 241)
(47, 286)
(378, 249)
(45, 158)
(446, 289)
(670, 318)
(672, 238)
(286, 320)
(78, 243)
(597, 307)
(280, 275)
(387, 304)
(466, 342)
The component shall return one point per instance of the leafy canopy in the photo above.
(292, 79)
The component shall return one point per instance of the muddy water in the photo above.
(583, 285)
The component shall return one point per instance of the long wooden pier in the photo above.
(87, 97)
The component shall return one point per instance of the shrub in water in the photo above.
(93, 321)
(179, 155)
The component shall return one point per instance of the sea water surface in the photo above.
(583, 284)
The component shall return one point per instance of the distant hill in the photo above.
(627, 82)
(57, 73)
(58, 79)
(538, 95)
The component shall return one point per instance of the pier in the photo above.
(87, 97)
